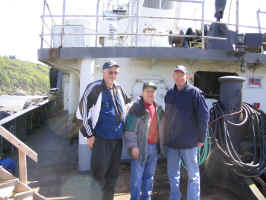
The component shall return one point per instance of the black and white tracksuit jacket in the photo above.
(90, 106)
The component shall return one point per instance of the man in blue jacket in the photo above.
(186, 120)
(103, 109)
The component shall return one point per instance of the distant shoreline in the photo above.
(15, 103)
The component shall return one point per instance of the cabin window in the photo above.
(208, 82)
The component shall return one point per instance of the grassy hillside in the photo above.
(23, 77)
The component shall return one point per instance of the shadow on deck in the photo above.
(57, 176)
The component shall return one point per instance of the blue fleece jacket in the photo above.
(187, 117)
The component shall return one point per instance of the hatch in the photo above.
(208, 82)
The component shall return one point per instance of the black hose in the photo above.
(221, 134)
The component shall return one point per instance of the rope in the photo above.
(229, 150)
(223, 140)
(223, 116)
(203, 152)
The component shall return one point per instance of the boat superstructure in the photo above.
(148, 38)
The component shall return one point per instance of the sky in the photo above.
(20, 22)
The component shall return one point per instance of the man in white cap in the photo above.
(186, 120)
(103, 110)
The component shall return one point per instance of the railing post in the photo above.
(237, 16)
(258, 18)
(137, 23)
(63, 22)
(22, 167)
(44, 1)
(259, 27)
(97, 22)
(202, 26)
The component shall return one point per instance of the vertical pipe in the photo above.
(52, 35)
(229, 12)
(43, 13)
(137, 23)
(259, 25)
(65, 91)
(258, 18)
(131, 21)
(73, 93)
(202, 26)
(237, 16)
(64, 12)
(52, 30)
(63, 22)
(97, 22)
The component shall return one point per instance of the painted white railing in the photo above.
(92, 38)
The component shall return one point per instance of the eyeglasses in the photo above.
(111, 73)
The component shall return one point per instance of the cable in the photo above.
(219, 128)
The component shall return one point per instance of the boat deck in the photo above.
(56, 174)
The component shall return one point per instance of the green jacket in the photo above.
(137, 128)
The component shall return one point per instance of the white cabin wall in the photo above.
(162, 69)
(256, 95)
(87, 70)
(73, 93)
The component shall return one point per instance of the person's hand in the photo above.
(200, 144)
(91, 142)
(135, 152)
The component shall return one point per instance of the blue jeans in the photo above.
(189, 156)
(142, 174)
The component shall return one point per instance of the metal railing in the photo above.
(258, 19)
(45, 25)
(259, 25)
(91, 38)
(11, 130)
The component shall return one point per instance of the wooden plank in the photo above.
(5, 175)
(28, 195)
(20, 187)
(38, 196)
(254, 189)
(7, 188)
(22, 167)
(17, 143)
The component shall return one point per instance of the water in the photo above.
(15, 101)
